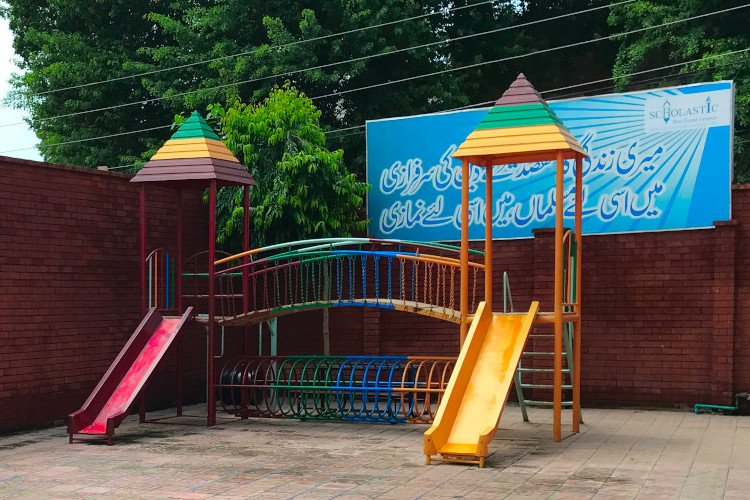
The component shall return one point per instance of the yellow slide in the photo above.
(470, 410)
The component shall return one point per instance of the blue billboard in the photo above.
(658, 160)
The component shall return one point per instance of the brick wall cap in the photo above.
(725, 223)
(741, 187)
(546, 231)
(10, 161)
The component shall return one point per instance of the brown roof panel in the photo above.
(187, 169)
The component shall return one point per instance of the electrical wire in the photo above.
(520, 56)
(274, 47)
(464, 67)
(592, 82)
(313, 68)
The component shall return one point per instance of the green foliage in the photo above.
(70, 42)
(304, 190)
(702, 39)
(208, 30)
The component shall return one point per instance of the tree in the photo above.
(304, 190)
(704, 39)
(570, 66)
(269, 35)
(63, 43)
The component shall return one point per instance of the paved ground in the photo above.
(619, 454)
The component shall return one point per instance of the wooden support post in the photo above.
(144, 299)
(558, 297)
(488, 240)
(577, 330)
(211, 398)
(178, 271)
(464, 327)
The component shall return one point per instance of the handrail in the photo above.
(161, 272)
(569, 249)
(155, 250)
(344, 241)
(507, 295)
(435, 259)
(316, 256)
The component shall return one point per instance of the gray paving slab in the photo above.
(620, 454)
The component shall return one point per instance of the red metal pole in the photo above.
(144, 302)
(211, 421)
(142, 238)
(246, 260)
(178, 270)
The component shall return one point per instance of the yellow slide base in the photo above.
(457, 459)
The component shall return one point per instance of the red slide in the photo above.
(108, 404)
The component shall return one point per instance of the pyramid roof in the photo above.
(194, 153)
(520, 127)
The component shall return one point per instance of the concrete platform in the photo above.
(619, 454)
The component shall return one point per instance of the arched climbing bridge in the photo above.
(278, 280)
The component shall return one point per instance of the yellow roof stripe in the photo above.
(524, 139)
(193, 154)
(518, 148)
(173, 148)
(519, 133)
(194, 148)
(510, 141)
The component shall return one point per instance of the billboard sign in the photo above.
(658, 160)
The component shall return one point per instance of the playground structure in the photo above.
(463, 398)
(520, 128)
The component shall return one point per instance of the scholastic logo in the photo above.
(691, 111)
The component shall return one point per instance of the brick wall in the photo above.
(741, 213)
(666, 316)
(70, 284)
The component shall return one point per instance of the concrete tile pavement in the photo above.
(620, 454)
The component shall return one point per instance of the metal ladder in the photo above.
(518, 376)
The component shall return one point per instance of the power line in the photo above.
(585, 84)
(520, 56)
(318, 67)
(647, 80)
(275, 47)
(469, 106)
(669, 66)
(76, 141)
(471, 66)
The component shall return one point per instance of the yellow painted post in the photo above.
(557, 393)
(464, 328)
(578, 310)
(488, 240)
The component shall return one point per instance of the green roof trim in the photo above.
(489, 124)
(523, 115)
(518, 107)
(195, 127)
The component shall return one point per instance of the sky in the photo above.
(17, 136)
